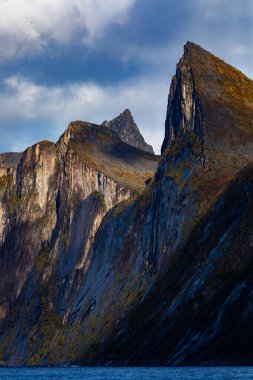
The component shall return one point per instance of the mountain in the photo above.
(103, 263)
(125, 126)
(9, 160)
(52, 203)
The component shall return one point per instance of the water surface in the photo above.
(136, 373)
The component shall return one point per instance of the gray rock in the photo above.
(128, 131)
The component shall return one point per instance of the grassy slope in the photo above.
(226, 95)
(103, 149)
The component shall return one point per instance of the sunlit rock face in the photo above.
(119, 261)
(53, 200)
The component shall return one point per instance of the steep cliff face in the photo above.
(27, 200)
(125, 126)
(8, 166)
(161, 278)
(214, 100)
(53, 202)
(169, 270)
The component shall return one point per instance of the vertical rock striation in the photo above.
(184, 113)
(163, 277)
(163, 283)
(53, 203)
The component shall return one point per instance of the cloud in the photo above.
(29, 27)
(154, 34)
(90, 59)
(30, 112)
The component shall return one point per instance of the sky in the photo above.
(66, 60)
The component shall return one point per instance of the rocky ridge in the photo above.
(155, 280)
(53, 202)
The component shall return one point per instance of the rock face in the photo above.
(125, 126)
(9, 160)
(163, 277)
(52, 204)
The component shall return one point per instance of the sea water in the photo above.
(132, 373)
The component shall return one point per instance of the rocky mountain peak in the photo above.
(127, 113)
(205, 94)
(191, 46)
(128, 131)
(172, 285)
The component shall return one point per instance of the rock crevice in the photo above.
(184, 111)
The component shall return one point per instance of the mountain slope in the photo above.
(165, 276)
(125, 126)
(52, 205)
(200, 310)
(193, 177)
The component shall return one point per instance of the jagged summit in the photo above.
(128, 131)
(213, 101)
(192, 45)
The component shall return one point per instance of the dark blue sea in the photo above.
(207, 373)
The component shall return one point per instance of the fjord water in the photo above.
(133, 373)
